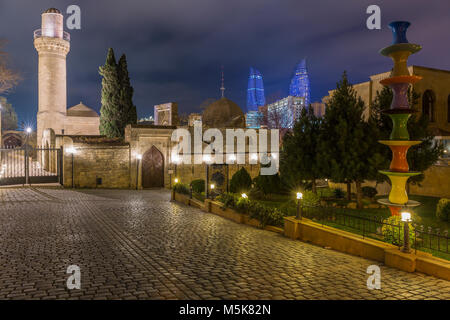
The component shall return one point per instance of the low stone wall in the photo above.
(306, 230)
(97, 166)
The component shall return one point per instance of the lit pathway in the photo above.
(137, 244)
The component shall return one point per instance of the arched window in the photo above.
(448, 108)
(428, 101)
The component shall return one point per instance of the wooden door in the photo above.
(152, 169)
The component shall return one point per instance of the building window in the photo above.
(448, 108)
(428, 101)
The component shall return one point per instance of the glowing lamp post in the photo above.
(406, 218)
(138, 159)
(176, 180)
(299, 205)
(244, 196)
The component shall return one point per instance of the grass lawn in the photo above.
(425, 215)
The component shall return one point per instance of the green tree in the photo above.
(110, 114)
(347, 147)
(300, 154)
(128, 109)
(240, 181)
(420, 157)
(9, 115)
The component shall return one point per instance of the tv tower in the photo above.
(222, 88)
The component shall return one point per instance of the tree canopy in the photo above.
(117, 109)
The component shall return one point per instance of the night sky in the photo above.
(175, 47)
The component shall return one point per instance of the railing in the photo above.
(428, 238)
(38, 34)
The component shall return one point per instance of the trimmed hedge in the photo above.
(198, 185)
(181, 188)
(264, 214)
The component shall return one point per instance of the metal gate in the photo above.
(30, 165)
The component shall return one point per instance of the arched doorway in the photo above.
(428, 101)
(12, 141)
(152, 168)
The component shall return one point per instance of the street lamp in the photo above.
(299, 206)
(244, 196)
(406, 218)
(72, 151)
(176, 180)
(138, 158)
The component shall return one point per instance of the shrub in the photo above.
(289, 208)
(267, 184)
(265, 215)
(198, 185)
(256, 194)
(369, 192)
(241, 181)
(339, 193)
(393, 230)
(443, 210)
(310, 199)
(181, 188)
(243, 205)
(228, 199)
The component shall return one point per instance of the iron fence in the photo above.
(376, 227)
(27, 165)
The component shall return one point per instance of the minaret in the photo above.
(52, 45)
(222, 88)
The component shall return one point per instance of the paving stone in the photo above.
(138, 245)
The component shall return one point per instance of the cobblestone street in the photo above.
(139, 245)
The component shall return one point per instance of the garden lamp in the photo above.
(299, 206)
(406, 218)
(244, 196)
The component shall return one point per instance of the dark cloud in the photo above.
(175, 47)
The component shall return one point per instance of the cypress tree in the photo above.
(126, 94)
(110, 113)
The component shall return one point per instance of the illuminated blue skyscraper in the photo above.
(255, 91)
(300, 83)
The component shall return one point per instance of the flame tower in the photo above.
(255, 91)
(300, 83)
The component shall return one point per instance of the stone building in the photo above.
(434, 91)
(143, 159)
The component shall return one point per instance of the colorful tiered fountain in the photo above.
(399, 112)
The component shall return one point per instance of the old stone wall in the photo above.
(99, 166)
